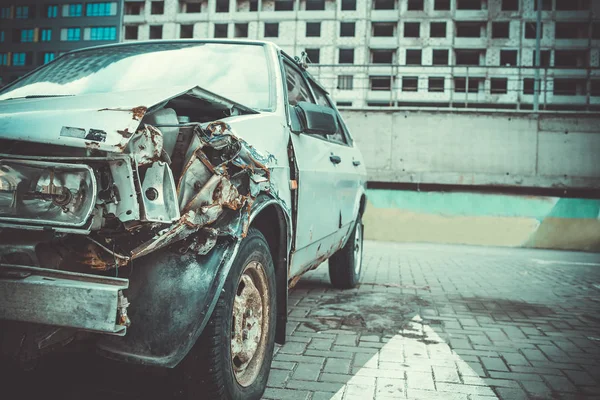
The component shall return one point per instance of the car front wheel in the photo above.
(232, 357)
(345, 266)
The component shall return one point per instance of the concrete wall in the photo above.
(479, 148)
(483, 219)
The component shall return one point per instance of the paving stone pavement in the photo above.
(446, 322)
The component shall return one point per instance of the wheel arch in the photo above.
(274, 223)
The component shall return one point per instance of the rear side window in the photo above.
(296, 86)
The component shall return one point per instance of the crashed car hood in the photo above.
(104, 121)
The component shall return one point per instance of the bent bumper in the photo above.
(60, 298)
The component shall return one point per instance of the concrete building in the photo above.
(423, 53)
(34, 32)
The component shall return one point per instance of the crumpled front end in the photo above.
(74, 220)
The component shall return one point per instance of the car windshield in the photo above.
(238, 72)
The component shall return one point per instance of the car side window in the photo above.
(296, 86)
(322, 100)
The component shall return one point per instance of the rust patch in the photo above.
(138, 112)
(125, 133)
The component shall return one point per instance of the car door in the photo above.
(350, 169)
(317, 210)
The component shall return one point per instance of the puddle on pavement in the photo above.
(492, 306)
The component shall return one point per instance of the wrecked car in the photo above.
(158, 199)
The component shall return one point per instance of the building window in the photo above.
(19, 59)
(596, 30)
(439, 57)
(412, 29)
(3, 59)
(468, 29)
(313, 55)
(380, 83)
(284, 5)
(413, 57)
(436, 84)
(437, 29)
(468, 57)
(382, 56)
(103, 33)
(70, 34)
(156, 32)
(415, 5)
(49, 56)
(46, 35)
(347, 29)
(221, 30)
(348, 5)
(253, 5)
(546, 5)
(100, 9)
(52, 11)
(5, 13)
(240, 30)
(345, 82)
(508, 58)
(315, 5)
(384, 4)
(186, 31)
(135, 8)
(72, 10)
(530, 31)
(570, 58)
(441, 5)
(26, 35)
(22, 12)
(131, 32)
(157, 8)
(410, 84)
(572, 5)
(595, 87)
(313, 29)
(272, 29)
(383, 29)
(510, 5)
(346, 56)
(222, 6)
(569, 87)
(498, 85)
(460, 85)
(468, 4)
(343, 103)
(528, 86)
(544, 58)
(2, 36)
(500, 30)
(570, 30)
(193, 8)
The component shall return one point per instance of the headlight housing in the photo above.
(46, 193)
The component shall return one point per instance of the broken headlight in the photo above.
(46, 193)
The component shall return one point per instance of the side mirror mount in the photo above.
(313, 119)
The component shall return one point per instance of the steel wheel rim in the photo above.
(358, 249)
(250, 323)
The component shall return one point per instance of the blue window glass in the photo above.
(73, 34)
(103, 33)
(26, 35)
(22, 12)
(75, 10)
(52, 11)
(3, 59)
(49, 57)
(46, 35)
(19, 59)
(5, 12)
(98, 9)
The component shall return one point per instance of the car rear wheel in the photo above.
(345, 266)
(232, 357)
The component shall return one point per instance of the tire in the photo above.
(345, 266)
(223, 364)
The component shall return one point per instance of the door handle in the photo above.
(335, 159)
(356, 163)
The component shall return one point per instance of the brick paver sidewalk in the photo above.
(446, 322)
